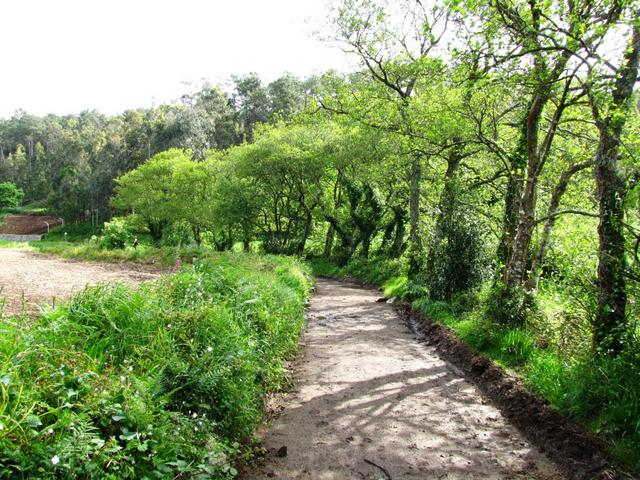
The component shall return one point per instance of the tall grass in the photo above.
(163, 381)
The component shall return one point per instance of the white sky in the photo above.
(65, 56)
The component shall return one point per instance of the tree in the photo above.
(10, 195)
(192, 190)
(149, 190)
(611, 103)
(395, 53)
(284, 169)
(251, 102)
(544, 43)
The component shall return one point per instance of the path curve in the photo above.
(372, 403)
(30, 279)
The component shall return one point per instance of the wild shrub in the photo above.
(456, 261)
(115, 234)
(10, 195)
(164, 381)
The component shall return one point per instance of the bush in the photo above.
(115, 234)
(75, 232)
(10, 195)
(165, 381)
(508, 306)
(177, 234)
(456, 262)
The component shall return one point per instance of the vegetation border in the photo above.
(575, 450)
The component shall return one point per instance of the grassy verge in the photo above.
(601, 393)
(93, 251)
(163, 381)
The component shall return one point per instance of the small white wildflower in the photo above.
(55, 459)
(209, 349)
(122, 379)
(195, 415)
(130, 369)
(169, 326)
(195, 428)
(50, 431)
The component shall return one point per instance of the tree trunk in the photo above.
(196, 235)
(515, 269)
(537, 155)
(556, 196)
(415, 240)
(446, 205)
(398, 241)
(511, 201)
(328, 242)
(305, 234)
(610, 320)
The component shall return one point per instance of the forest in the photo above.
(482, 163)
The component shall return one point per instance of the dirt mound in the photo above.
(574, 449)
(28, 224)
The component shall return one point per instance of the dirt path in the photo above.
(30, 279)
(371, 403)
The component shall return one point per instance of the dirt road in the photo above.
(371, 403)
(30, 279)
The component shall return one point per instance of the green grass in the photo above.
(599, 392)
(24, 210)
(75, 232)
(91, 250)
(163, 381)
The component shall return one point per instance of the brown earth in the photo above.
(29, 279)
(28, 224)
(579, 454)
(373, 403)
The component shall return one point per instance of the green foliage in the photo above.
(177, 234)
(10, 195)
(75, 232)
(115, 234)
(509, 305)
(389, 273)
(160, 382)
(457, 262)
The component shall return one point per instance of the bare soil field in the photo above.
(28, 224)
(30, 279)
(373, 403)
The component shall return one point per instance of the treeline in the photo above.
(477, 142)
(68, 163)
(515, 158)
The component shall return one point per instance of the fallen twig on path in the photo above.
(382, 469)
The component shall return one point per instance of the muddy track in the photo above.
(373, 403)
(578, 454)
(28, 280)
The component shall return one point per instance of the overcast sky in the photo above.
(65, 56)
